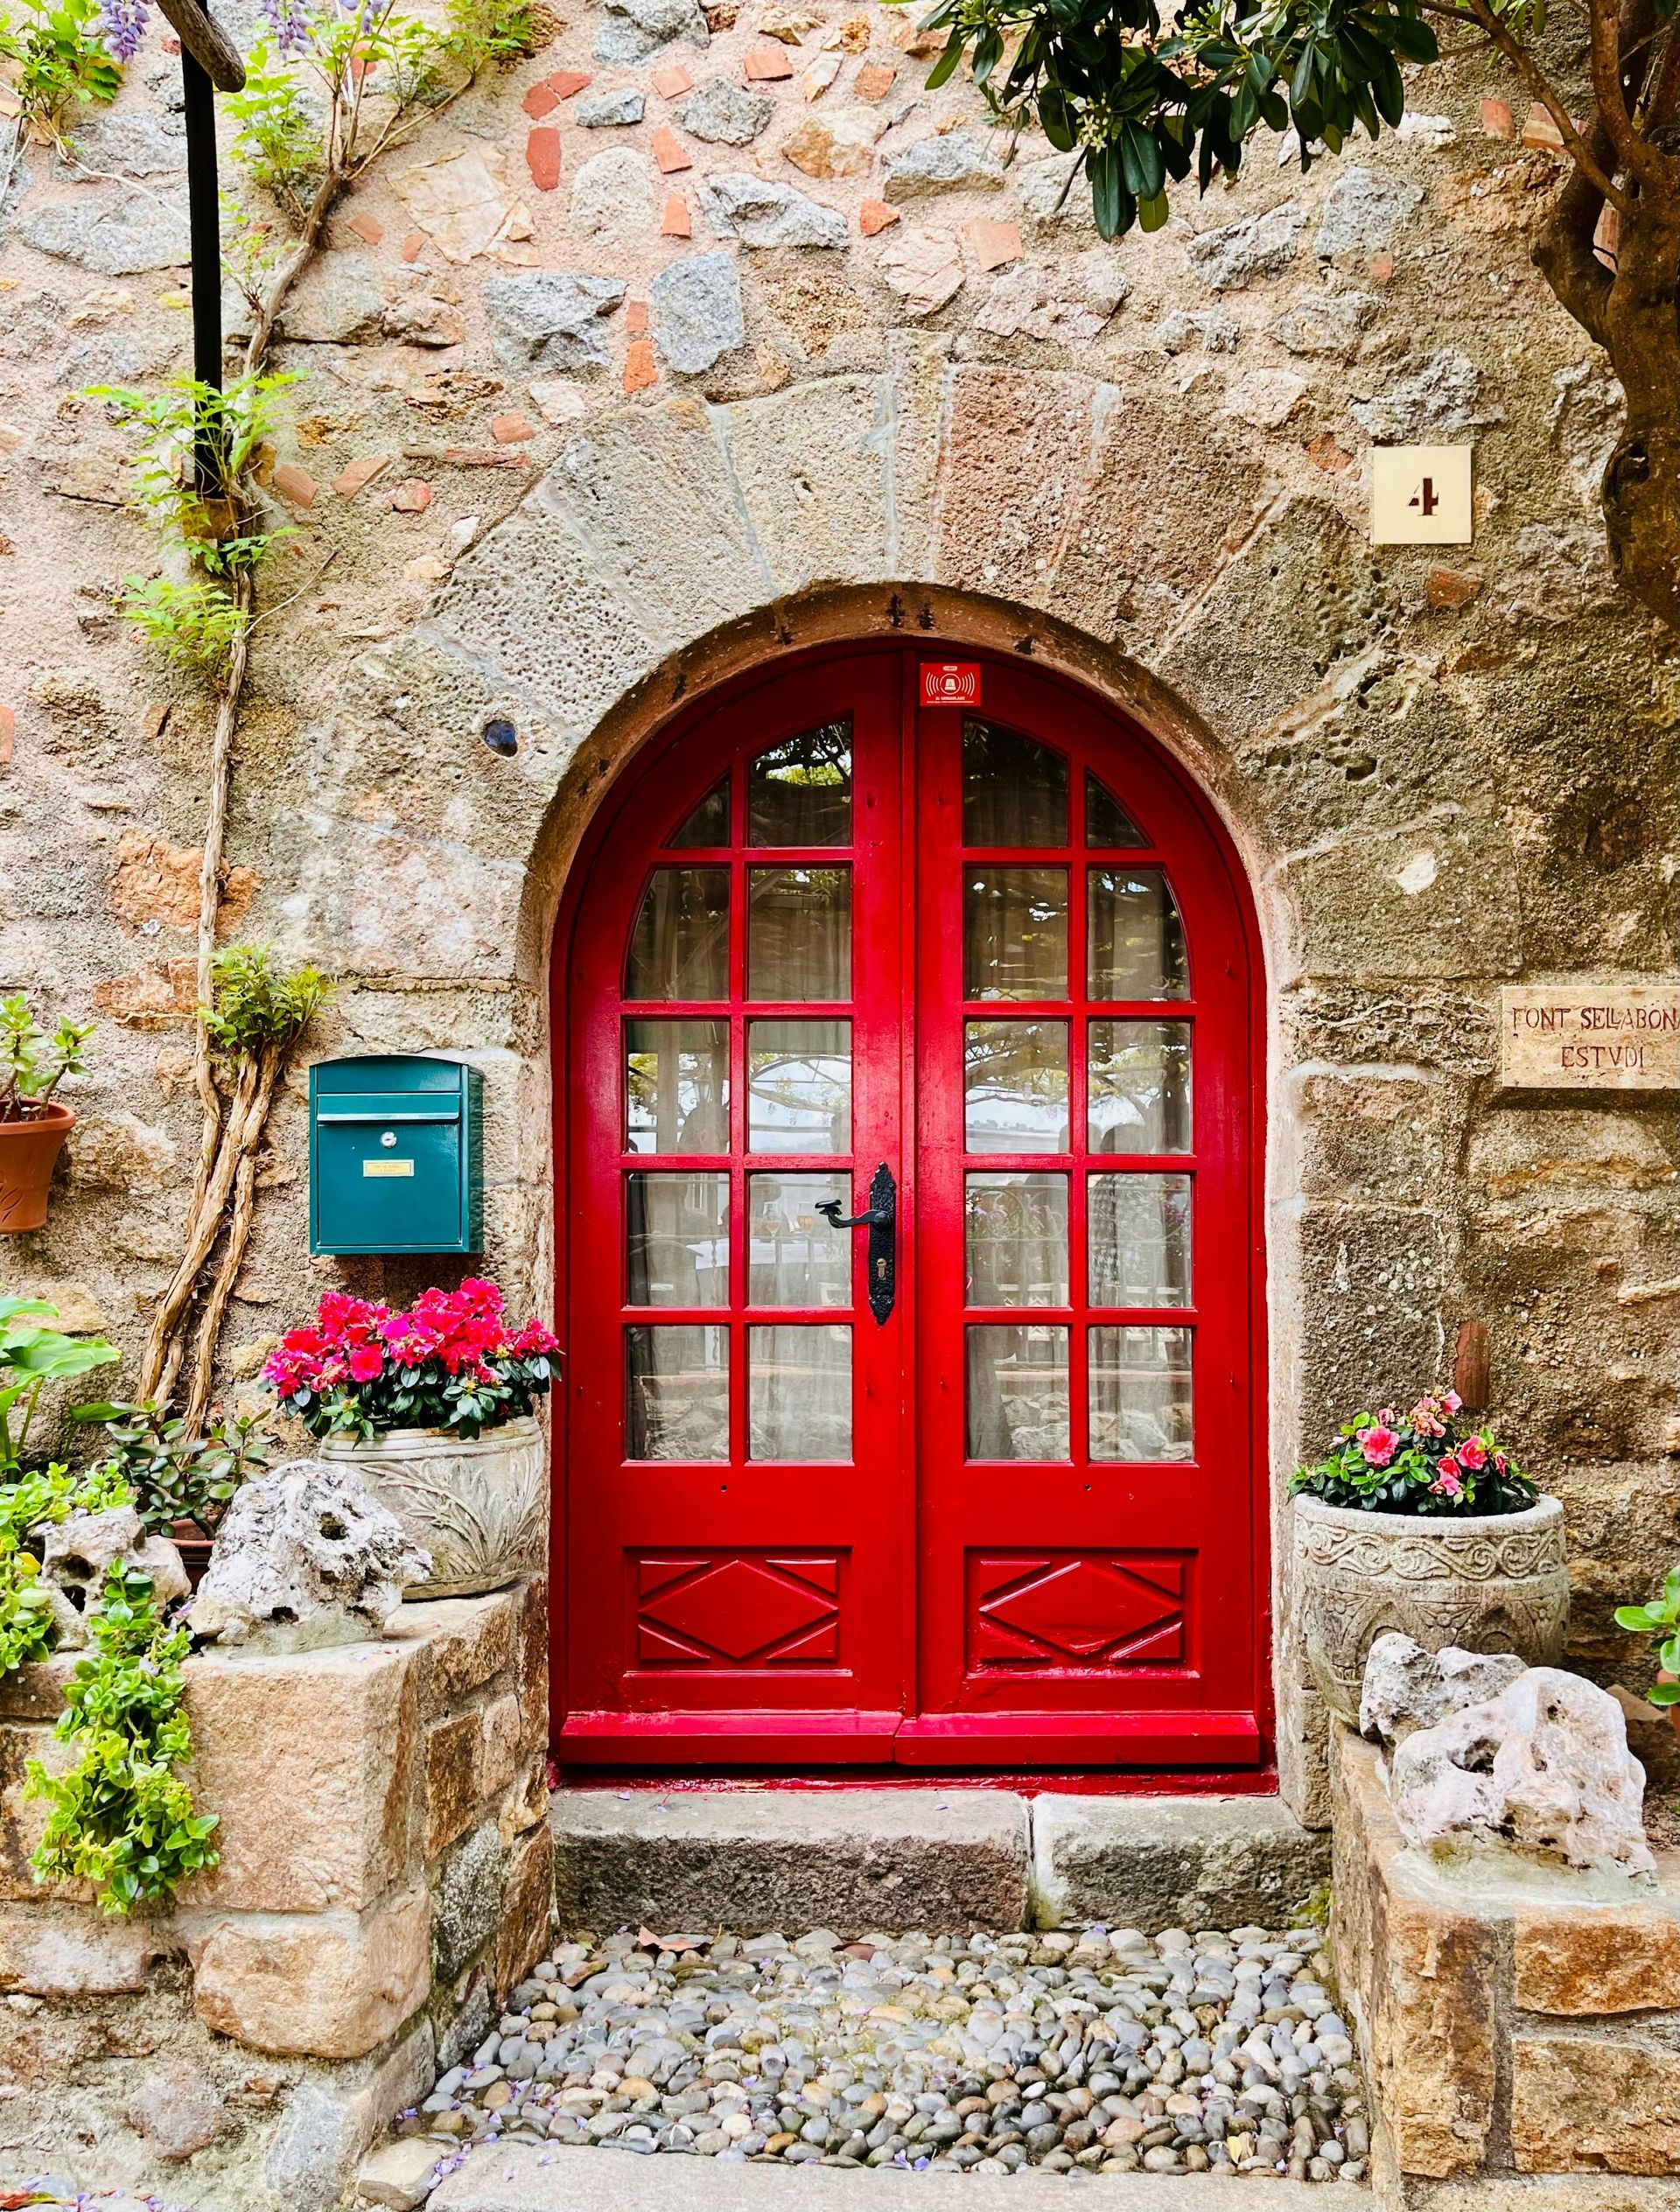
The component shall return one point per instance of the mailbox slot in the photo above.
(394, 1152)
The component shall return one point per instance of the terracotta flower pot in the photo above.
(29, 1152)
(1486, 1582)
(479, 1505)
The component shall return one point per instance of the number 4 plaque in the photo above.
(1420, 495)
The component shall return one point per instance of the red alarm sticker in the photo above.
(950, 684)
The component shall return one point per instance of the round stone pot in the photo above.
(1491, 1582)
(479, 1505)
(29, 1153)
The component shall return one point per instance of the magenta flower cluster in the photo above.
(1426, 1460)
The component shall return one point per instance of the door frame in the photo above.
(618, 793)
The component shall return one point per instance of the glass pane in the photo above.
(680, 945)
(800, 793)
(708, 824)
(677, 1086)
(795, 1258)
(1107, 821)
(677, 1392)
(1140, 1394)
(1138, 1228)
(1137, 940)
(799, 1391)
(799, 932)
(1140, 1086)
(1015, 1233)
(1015, 933)
(1016, 1392)
(799, 1087)
(1015, 1079)
(1014, 791)
(676, 1240)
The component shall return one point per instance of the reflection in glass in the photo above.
(799, 1087)
(1138, 1228)
(1015, 1085)
(1014, 791)
(1140, 1086)
(799, 932)
(795, 1258)
(708, 824)
(676, 1240)
(677, 1086)
(677, 1392)
(1015, 933)
(1017, 1394)
(679, 948)
(799, 792)
(1141, 1407)
(1015, 1239)
(799, 1391)
(1137, 940)
(1107, 823)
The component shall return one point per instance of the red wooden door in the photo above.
(1005, 955)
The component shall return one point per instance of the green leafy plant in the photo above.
(1427, 1461)
(33, 1354)
(279, 143)
(62, 59)
(232, 422)
(174, 1473)
(29, 1502)
(122, 1817)
(194, 622)
(31, 1068)
(259, 1005)
(1660, 1621)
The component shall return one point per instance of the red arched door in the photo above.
(979, 1485)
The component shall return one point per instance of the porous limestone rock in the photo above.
(549, 319)
(612, 199)
(633, 29)
(725, 114)
(696, 309)
(955, 162)
(1543, 1769)
(1237, 252)
(760, 213)
(1408, 1688)
(1444, 394)
(304, 1558)
(1364, 210)
(116, 232)
(78, 1553)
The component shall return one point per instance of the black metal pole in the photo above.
(204, 216)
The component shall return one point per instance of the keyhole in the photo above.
(387, 1137)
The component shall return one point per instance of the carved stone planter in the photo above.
(1493, 1582)
(479, 1506)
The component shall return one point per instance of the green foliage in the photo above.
(167, 423)
(484, 31)
(61, 58)
(194, 622)
(1661, 1621)
(258, 1005)
(279, 143)
(32, 1355)
(1427, 1461)
(28, 1503)
(174, 1474)
(31, 1068)
(1146, 100)
(122, 1817)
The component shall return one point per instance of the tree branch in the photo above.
(1609, 90)
(1522, 61)
(1564, 253)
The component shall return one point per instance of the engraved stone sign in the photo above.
(1589, 1036)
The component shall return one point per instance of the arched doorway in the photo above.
(981, 1485)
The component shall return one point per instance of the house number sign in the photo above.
(1589, 1036)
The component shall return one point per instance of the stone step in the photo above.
(858, 1860)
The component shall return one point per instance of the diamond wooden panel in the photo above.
(1085, 1612)
(738, 1610)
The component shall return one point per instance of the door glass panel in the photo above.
(1140, 1086)
(708, 824)
(799, 932)
(795, 1258)
(1017, 1394)
(679, 948)
(799, 1391)
(1140, 1394)
(800, 793)
(1139, 1235)
(1015, 1238)
(677, 1392)
(676, 1240)
(1137, 940)
(1015, 933)
(1107, 823)
(799, 1085)
(677, 1086)
(1015, 1077)
(1014, 791)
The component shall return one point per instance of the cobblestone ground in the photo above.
(1102, 2052)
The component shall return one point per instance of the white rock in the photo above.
(612, 197)
(306, 1557)
(77, 1553)
(924, 267)
(1265, 397)
(1069, 305)
(1543, 1771)
(1407, 1688)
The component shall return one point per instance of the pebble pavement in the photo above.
(1106, 2051)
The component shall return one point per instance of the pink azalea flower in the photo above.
(1425, 1419)
(1473, 1453)
(366, 1364)
(1377, 1444)
(1446, 1483)
(1451, 1402)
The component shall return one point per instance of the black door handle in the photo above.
(880, 1219)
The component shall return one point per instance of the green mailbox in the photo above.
(393, 1156)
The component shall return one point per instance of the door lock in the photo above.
(880, 1219)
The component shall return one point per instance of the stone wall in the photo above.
(1515, 2038)
(385, 1880)
(797, 356)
